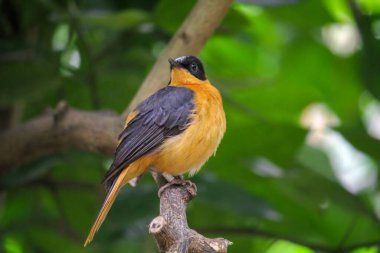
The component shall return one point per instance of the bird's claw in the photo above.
(190, 186)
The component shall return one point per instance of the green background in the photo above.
(275, 185)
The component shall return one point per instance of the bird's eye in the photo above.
(194, 67)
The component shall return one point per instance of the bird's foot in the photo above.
(191, 188)
(178, 180)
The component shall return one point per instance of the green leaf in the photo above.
(339, 9)
(287, 247)
(366, 250)
(125, 19)
(27, 81)
(12, 245)
(359, 137)
(169, 14)
(369, 6)
(234, 199)
(315, 11)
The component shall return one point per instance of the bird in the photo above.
(173, 132)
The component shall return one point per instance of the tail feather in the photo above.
(121, 180)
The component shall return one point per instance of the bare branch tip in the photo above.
(60, 110)
(156, 225)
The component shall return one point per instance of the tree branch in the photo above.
(171, 230)
(190, 38)
(58, 130)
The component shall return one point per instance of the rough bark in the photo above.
(170, 228)
(57, 130)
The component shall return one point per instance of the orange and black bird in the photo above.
(173, 131)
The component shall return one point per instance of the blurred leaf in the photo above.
(316, 14)
(366, 250)
(369, 6)
(120, 20)
(358, 136)
(11, 245)
(232, 53)
(29, 172)
(287, 247)
(317, 161)
(26, 80)
(339, 9)
(60, 37)
(234, 20)
(48, 240)
(234, 199)
(270, 2)
(370, 52)
(18, 208)
(169, 14)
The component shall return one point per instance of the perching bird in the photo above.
(173, 131)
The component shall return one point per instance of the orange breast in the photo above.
(188, 151)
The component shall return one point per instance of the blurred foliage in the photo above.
(298, 168)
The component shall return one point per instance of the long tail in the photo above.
(126, 175)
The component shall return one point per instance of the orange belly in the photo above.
(188, 151)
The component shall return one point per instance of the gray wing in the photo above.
(162, 115)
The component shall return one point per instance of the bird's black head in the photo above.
(191, 64)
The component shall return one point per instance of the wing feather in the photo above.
(164, 114)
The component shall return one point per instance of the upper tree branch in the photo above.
(190, 38)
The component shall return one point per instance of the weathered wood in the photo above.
(57, 130)
(171, 229)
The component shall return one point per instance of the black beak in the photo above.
(173, 64)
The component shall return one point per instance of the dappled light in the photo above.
(341, 39)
